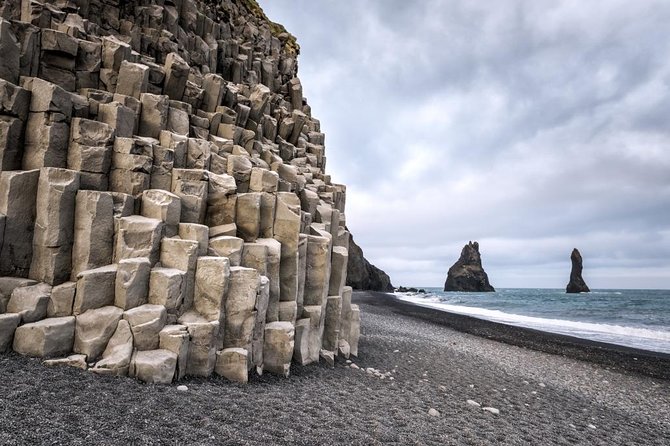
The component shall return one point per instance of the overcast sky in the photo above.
(531, 126)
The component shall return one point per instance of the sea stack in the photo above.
(467, 273)
(577, 284)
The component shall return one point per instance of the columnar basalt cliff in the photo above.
(164, 205)
(576, 284)
(467, 274)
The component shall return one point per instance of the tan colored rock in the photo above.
(30, 302)
(226, 246)
(195, 232)
(91, 146)
(355, 333)
(182, 255)
(255, 255)
(118, 353)
(248, 216)
(54, 225)
(154, 366)
(166, 288)
(198, 154)
(165, 206)
(288, 311)
(8, 324)
(202, 347)
(217, 231)
(95, 289)
(175, 338)
(131, 285)
(93, 329)
(286, 231)
(302, 270)
(138, 236)
(7, 287)
(263, 180)
(272, 272)
(343, 349)
(231, 363)
(221, 200)
(179, 146)
(239, 167)
(153, 118)
(76, 361)
(161, 168)
(191, 186)
(46, 338)
(120, 117)
(260, 311)
(18, 195)
(278, 348)
(338, 270)
(176, 75)
(318, 270)
(133, 79)
(146, 322)
(61, 300)
(212, 277)
(239, 307)
(214, 86)
(331, 330)
(315, 315)
(93, 231)
(301, 344)
(46, 140)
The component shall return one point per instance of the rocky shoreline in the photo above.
(416, 381)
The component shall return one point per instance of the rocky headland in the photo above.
(164, 203)
(576, 284)
(362, 275)
(467, 274)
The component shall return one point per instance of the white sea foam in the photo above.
(643, 338)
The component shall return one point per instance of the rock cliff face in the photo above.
(164, 204)
(467, 273)
(362, 275)
(576, 284)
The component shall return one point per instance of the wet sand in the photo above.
(542, 398)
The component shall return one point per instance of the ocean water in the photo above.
(633, 318)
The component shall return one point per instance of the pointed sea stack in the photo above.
(467, 273)
(577, 284)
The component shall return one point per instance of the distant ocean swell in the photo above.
(632, 318)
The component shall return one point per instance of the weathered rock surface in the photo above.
(576, 284)
(361, 274)
(164, 203)
(467, 274)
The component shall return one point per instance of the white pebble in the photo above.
(433, 413)
(348, 361)
(354, 366)
(473, 403)
(472, 386)
(182, 388)
(591, 426)
(493, 410)
(396, 351)
(542, 385)
(443, 388)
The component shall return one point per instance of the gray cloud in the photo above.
(533, 127)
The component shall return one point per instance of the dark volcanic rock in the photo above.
(467, 273)
(362, 275)
(577, 284)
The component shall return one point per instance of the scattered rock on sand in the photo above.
(493, 410)
(473, 403)
(433, 413)
(182, 388)
(591, 426)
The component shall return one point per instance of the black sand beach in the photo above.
(605, 397)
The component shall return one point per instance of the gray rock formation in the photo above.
(164, 203)
(576, 284)
(362, 275)
(467, 273)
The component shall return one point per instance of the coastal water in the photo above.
(633, 318)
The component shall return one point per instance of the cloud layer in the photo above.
(532, 127)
